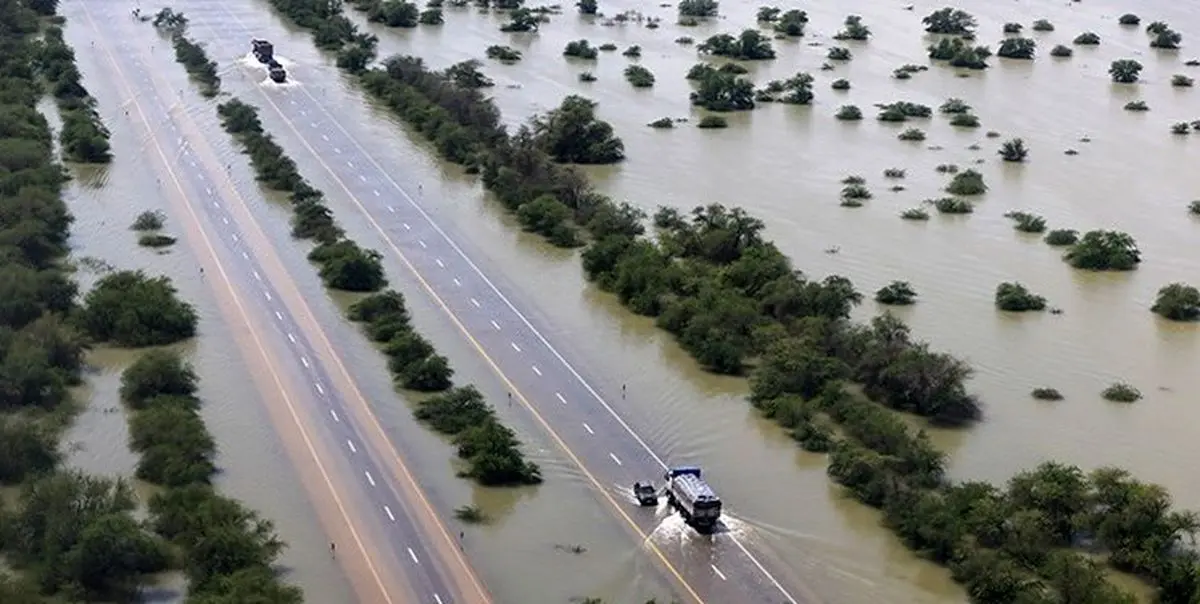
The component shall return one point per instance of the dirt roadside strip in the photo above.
(292, 422)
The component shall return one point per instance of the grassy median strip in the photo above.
(490, 450)
(736, 304)
(84, 138)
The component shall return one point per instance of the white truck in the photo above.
(695, 500)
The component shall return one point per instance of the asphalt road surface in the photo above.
(431, 579)
(583, 424)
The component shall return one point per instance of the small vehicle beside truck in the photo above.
(688, 494)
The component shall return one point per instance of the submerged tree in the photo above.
(1102, 250)
(573, 134)
(1177, 302)
(950, 21)
(1125, 71)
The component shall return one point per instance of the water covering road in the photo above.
(391, 518)
(607, 450)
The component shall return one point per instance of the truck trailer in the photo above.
(693, 498)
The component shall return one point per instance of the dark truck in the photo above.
(264, 52)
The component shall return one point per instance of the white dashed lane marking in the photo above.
(370, 479)
(376, 192)
(614, 458)
(391, 516)
(413, 556)
(475, 302)
(457, 282)
(588, 428)
(515, 347)
(560, 398)
(495, 324)
(439, 262)
(351, 445)
(718, 571)
(536, 370)
(334, 414)
(291, 338)
(257, 276)
(267, 295)
(422, 243)
(322, 391)
(279, 315)
(304, 361)
(325, 137)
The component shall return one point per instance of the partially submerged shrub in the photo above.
(662, 122)
(896, 293)
(504, 54)
(1026, 222)
(1181, 81)
(1137, 106)
(713, 121)
(1087, 38)
(639, 76)
(915, 214)
(149, 221)
(856, 191)
(1017, 48)
(1061, 237)
(1102, 250)
(580, 49)
(1121, 392)
(1181, 128)
(967, 182)
(849, 113)
(1061, 51)
(1046, 394)
(954, 105)
(1129, 19)
(156, 240)
(838, 53)
(965, 120)
(1177, 302)
(1042, 25)
(912, 134)
(840, 84)
(1125, 71)
(1014, 297)
(893, 173)
(951, 205)
(1013, 150)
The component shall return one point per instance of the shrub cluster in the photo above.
(188, 53)
(490, 449)
(728, 295)
(228, 551)
(132, 309)
(343, 264)
(83, 137)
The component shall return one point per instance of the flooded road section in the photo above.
(783, 164)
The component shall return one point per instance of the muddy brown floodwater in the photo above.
(783, 164)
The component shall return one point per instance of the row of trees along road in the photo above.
(83, 136)
(735, 302)
(490, 450)
(64, 535)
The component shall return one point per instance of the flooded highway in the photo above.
(784, 165)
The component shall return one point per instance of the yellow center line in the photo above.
(482, 352)
(241, 310)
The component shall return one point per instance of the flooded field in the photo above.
(784, 164)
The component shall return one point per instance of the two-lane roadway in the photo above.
(609, 452)
(394, 539)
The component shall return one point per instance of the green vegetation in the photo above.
(1121, 392)
(1061, 237)
(522, 20)
(796, 90)
(1014, 297)
(1125, 71)
(1061, 51)
(1013, 28)
(392, 13)
(912, 134)
(1129, 19)
(1013, 150)
(504, 54)
(467, 74)
(581, 49)
(1046, 394)
(1042, 25)
(128, 308)
(571, 134)
(792, 23)
(1136, 106)
(1104, 251)
(662, 123)
(959, 53)
(853, 30)
(838, 53)
(639, 76)
(343, 264)
(849, 113)
(720, 91)
(1182, 128)
(83, 136)
(897, 293)
(490, 450)
(712, 122)
(188, 53)
(728, 296)
(1086, 38)
(964, 120)
(587, 76)
(967, 182)
(951, 205)
(767, 14)
(893, 173)
(840, 84)
(906, 71)
(1194, 207)
(954, 106)
(1181, 81)
(698, 8)
(1177, 302)
(1026, 222)
(470, 514)
(900, 111)
(149, 221)
(1165, 38)
(750, 45)
(228, 552)
(950, 21)
(588, 7)
(156, 240)
(915, 214)
(633, 52)
(1016, 48)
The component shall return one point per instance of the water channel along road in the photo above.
(590, 432)
(396, 513)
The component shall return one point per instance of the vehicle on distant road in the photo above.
(693, 498)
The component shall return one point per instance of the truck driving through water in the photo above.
(264, 52)
(695, 500)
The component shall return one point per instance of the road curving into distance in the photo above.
(396, 550)
(608, 451)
